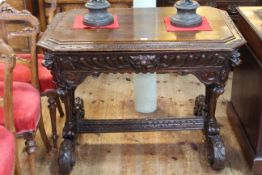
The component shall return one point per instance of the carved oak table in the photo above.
(141, 44)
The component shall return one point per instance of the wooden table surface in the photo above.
(141, 29)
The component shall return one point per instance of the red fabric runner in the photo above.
(78, 24)
(203, 27)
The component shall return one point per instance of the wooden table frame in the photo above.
(211, 63)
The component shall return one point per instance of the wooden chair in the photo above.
(7, 139)
(30, 68)
(17, 113)
(7, 132)
(48, 8)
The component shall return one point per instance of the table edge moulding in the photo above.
(210, 60)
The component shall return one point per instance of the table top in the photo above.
(141, 29)
(253, 16)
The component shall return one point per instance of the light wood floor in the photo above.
(153, 153)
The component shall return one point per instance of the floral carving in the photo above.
(144, 62)
(209, 67)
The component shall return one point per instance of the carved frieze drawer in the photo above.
(144, 62)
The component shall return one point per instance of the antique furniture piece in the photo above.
(73, 54)
(19, 43)
(30, 69)
(7, 139)
(18, 113)
(186, 15)
(48, 8)
(245, 108)
(228, 5)
(98, 14)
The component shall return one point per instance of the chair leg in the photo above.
(59, 106)
(43, 134)
(30, 149)
(52, 109)
(17, 162)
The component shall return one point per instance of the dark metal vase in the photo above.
(186, 15)
(98, 15)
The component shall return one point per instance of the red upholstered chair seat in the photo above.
(26, 104)
(7, 151)
(23, 74)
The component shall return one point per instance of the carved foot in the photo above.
(217, 153)
(200, 106)
(66, 159)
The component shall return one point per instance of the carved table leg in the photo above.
(201, 103)
(66, 158)
(216, 147)
(79, 108)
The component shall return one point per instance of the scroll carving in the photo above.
(235, 58)
(130, 62)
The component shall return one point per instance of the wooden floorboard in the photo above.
(154, 153)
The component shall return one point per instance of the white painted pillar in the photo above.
(144, 3)
(145, 89)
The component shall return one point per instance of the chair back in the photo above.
(8, 15)
(8, 58)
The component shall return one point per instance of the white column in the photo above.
(144, 3)
(145, 90)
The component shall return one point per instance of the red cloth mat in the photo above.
(203, 27)
(78, 24)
